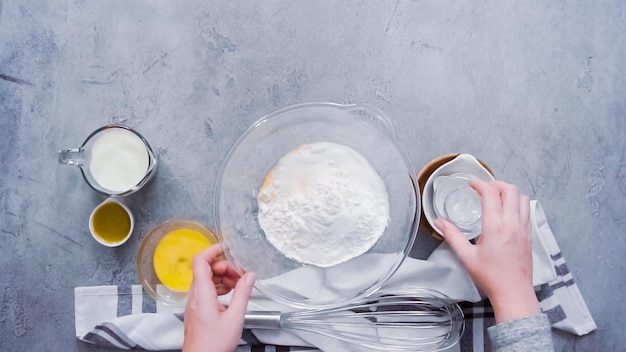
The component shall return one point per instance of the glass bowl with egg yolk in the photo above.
(164, 259)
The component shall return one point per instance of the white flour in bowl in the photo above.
(323, 204)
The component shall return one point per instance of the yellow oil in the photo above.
(111, 223)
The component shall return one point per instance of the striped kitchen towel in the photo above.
(559, 296)
(125, 317)
(136, 321)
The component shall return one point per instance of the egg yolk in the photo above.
(173, 256)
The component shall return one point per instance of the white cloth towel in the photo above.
(124, 317)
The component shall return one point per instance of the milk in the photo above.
(119, 160)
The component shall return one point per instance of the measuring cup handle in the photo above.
(73, 156)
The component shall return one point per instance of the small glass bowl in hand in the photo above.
(456, 201)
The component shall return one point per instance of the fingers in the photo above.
(490, 201)
(457, 241)
(224, 285)
(510, 200)
(501, 200)
(224, 268)
(221, 273)
(209, 254)
(202, 273)
(241, 296)
(222, 289)
(225, 276)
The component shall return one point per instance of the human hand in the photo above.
(209, 326)
(500, 263)
(225, 277)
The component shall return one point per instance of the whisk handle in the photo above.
(262, 320)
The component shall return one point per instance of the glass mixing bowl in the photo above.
(362, 128)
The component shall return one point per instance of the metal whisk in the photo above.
(405, 319)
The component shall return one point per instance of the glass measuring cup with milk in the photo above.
(114, 160)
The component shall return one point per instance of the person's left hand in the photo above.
(224, 277)
(209, 326)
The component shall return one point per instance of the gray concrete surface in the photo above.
(535, 89)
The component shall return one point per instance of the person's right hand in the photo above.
(500, 263)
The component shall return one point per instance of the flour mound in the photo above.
(323, 204)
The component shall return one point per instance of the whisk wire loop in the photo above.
(406, 319)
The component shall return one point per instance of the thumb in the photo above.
(459, 244)
(241, 296)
